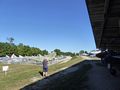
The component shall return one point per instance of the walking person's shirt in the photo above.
(45, 63)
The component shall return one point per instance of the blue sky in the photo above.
(47, 24)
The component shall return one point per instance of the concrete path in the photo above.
(101, 79)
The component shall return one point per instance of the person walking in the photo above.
(45, 67)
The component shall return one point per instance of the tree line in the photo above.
(9, 48)
(25, 50)
(21, 49)
(59, 52)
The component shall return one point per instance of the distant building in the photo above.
(85, 54)
(94, 52)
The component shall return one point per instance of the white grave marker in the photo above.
(5, 69)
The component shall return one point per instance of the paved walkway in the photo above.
(101, 79)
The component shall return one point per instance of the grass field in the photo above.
(21, 75)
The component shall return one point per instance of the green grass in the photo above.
(20, 75)
(58, 66)
(17, 76)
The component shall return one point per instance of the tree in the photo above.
(21, 49)
(7, 49)
(86, 52)
(81, 52)
(58, 52)
(36, 51)
(21, 44)
(10, 40)
(44, 52)
(77, 54)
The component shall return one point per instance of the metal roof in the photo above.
(105, 21)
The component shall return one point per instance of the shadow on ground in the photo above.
(86, 75)
(41, 73)
(70, 78)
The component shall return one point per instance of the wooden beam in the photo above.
(106, 8)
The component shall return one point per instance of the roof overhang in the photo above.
(105, 21)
